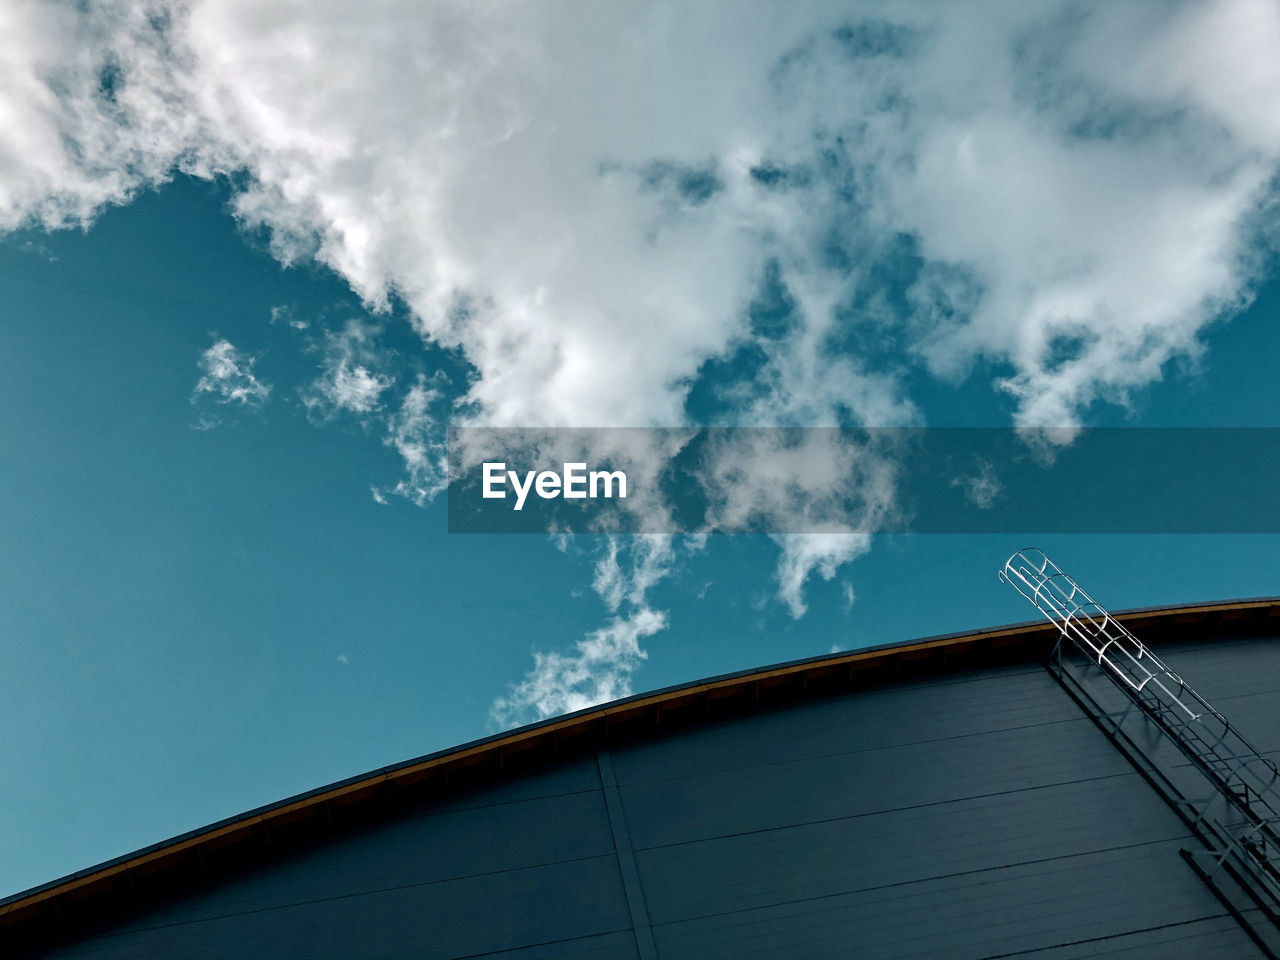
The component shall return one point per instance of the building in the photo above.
(947, 798)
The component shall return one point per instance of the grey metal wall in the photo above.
(976, 815)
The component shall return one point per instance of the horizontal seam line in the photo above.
(851, 753)
(351, 896)
(919, 880)
(1109, 936)
(885, 810)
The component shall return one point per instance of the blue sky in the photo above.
(214, 598)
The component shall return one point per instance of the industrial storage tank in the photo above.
(953, 797)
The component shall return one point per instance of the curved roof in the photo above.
(193, 856)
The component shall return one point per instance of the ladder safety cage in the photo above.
(1249, 781)
(1095, 632)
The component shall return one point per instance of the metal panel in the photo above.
(975, 815)
(776, 792)
(562, 904)
(1243, 680)
(976, 702)
(933, 819)
(1216, 937)
(493, 873)
(416, 852)
(913, 845)
(1227, 668)
(998, 912)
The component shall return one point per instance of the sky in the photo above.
(256, 258)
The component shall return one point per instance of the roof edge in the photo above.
(476, 751)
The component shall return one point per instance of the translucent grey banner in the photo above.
(879, 480)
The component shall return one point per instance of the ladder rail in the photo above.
(1249, 780)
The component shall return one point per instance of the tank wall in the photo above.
(976, 815)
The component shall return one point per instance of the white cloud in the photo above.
(649, 558)
(355, 388)
(847, 597)
(415, 433)
(38, 249)
(602, 663)
(285, 314)
(350, 381)
(76, 136)
(599, 670)
(1100, 220)
(1080, 185)
(804, 481)
(1083, 173)
(983, 487)
(609, 582)
(227, 376)
(803, 555)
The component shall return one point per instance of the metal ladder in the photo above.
(1245, 845)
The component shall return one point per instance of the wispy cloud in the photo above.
(601, 664)
(981, 488)
(804, 555)
(351, 380)
(1077, 184)
(227, 377)
(597, 671)
(288, 316)
(41, 250)
(1069, 194)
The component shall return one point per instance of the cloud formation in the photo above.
(600, 667)
(350, 380)
(1075, 184)
(226, 375)
(803, 555)
(583, 260)
(763, 218)
(415, 431)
